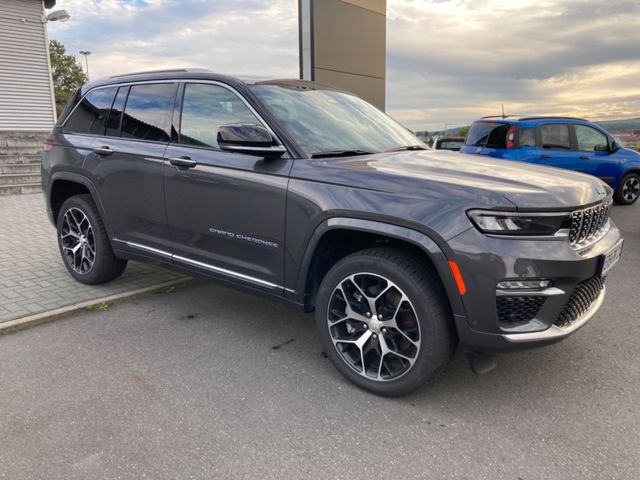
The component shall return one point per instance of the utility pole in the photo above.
(86, 54)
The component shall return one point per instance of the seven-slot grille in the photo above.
(589, 223)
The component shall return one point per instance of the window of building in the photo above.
(590, 139)
(147, 110)
(205, 108)
(555, 137)
(90, 116)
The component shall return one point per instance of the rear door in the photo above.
(127, 165)
(226, 212)
(594, 156)
(555, 147)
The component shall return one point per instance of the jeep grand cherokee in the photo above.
(309, 194)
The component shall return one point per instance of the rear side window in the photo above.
(527, 137)
(488, 134)
(148, 108)
(590, 139)
(555, 137)
(115, 117)
(205, 108)
(90, 115)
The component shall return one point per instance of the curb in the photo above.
(58, 313)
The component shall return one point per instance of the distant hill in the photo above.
(621, 125)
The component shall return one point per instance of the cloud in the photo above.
(447, 60)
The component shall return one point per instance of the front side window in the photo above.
(328, 120)
(555, 137)
(147, 110)
(590, 139)
(91, 114)
(206, 107)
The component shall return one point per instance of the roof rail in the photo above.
(552, 118)
(170, 70)
(497, 116)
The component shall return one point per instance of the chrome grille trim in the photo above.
(589, 225)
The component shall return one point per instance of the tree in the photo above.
(463, 131)
(67, 74)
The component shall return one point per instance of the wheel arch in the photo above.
(373, 233)
(67, 184)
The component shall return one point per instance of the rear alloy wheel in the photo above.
(84, 244)
(628, 190)
(384, 321)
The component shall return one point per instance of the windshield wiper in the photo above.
(340, 153)
(407, 148)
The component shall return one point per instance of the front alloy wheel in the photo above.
(373, 326)
(384, 320)
(631, 188)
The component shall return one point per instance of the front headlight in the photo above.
(522, 224)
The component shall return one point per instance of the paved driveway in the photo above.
(33, 278)
(206, 382)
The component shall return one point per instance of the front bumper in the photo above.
(484, 261)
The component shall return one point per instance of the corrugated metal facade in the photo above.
(26, 97)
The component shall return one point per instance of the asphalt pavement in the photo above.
(206, 382)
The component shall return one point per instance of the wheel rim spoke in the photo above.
(373, 326)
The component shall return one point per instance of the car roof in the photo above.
(204, 74)
(531, 121)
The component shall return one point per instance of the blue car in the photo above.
(562, 142)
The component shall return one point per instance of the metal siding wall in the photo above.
(26, 100)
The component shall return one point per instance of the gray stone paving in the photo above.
(33, 278)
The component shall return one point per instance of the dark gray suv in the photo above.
(311, 195)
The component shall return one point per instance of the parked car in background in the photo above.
(448, 143)
(563, 142)
(311, 195)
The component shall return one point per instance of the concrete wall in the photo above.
(343, 43)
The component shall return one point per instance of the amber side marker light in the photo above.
(462, 288)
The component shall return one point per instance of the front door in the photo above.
(225, 211)
(594, 156)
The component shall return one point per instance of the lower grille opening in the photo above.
(582, 298)
(518, 309)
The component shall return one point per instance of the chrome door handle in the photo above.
(183, 162)
(105, 150)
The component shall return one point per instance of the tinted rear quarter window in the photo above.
(90, 115)
(113, 123)
(488, 134)
(555, 137)
(147, 111)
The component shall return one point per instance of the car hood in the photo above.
(527, 186)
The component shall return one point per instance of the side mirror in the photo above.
(615, 146)
(248, 138)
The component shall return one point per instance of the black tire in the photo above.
(106, 266)
(421, 286)
(628, 190)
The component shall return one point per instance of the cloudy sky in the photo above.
(448, 61)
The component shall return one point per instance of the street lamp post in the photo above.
(86, 54)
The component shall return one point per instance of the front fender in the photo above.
(431, 249)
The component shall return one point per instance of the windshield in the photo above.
(330, 121)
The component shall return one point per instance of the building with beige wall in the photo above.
(343, 43)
